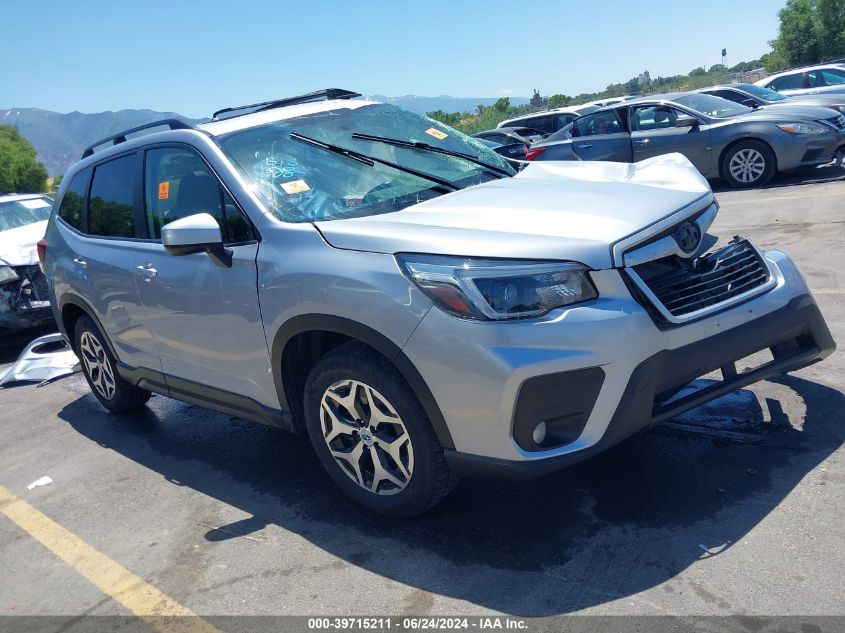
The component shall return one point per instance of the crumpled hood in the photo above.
(18, 246)
(551, 210)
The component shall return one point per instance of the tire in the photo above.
(749, 164)
(100, 370)
(412, 472)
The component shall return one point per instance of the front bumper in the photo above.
(804, 150)
(606, 362)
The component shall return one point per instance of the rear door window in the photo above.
(178, 184)
(111, 208)
(73, 201)
(598, 124)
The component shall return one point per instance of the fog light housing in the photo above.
(539, 435)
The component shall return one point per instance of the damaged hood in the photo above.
(551, 210)
(18, 245)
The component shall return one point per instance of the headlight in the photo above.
(804, 128)
(7, 274)
(486, 289)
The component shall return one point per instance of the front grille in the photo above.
(838, 122)
(683, 287)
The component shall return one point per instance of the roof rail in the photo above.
(173, 124)
(328, 93)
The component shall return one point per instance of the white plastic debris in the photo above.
(43, 481)
(44, 359)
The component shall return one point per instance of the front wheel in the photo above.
(749, 164)
(372, 435)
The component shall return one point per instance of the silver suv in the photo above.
(391, 287)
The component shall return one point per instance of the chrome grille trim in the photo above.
(619, 248)
(740, 274)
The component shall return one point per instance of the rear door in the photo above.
(105, 251)
(204, 317)
(601, 136)
(653, 132)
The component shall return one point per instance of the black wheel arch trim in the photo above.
(340, 325)
(73, 299)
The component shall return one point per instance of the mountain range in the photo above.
(59, 139)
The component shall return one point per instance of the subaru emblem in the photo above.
(688, 235)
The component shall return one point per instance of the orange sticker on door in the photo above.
(433, 131)
(164, 190)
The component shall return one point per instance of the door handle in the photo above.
(148, 271)
(80, 262)
(585, 145)
(641, 141)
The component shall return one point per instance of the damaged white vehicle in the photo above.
(24, 300)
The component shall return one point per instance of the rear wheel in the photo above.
(372, 435)
(748, 164)
(100, 370)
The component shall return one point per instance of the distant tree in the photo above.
(537, 101)
(56, 182)
(717, 68)
(20, 171)
(810, 31)
(558, 101)
(697, 72)
(502, 105)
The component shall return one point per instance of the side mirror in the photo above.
(685, 120)
(196, 234)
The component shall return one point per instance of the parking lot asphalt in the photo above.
(736, 509)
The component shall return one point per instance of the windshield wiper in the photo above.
(372, 160)
(432, 148)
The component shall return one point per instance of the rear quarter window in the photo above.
(73, 202)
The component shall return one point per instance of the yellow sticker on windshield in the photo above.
(433, 131)
(164, 190)
(295, 186)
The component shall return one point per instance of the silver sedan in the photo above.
(721, 138)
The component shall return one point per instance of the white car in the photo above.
(549, 121)
(23, 288)
(823, 78)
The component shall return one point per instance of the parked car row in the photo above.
(743, 133)
(721, 138)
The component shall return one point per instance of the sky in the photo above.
(196, 57)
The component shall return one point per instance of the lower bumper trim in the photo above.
(796, 335)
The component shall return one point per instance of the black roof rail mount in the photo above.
(328, 93)
(173, 124)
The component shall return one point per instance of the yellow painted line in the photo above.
(159, 610)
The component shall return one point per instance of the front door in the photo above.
(653, 132)
(204, 317)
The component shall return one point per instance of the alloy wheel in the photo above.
(366, 437)
(97, 365)
(747, 165)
